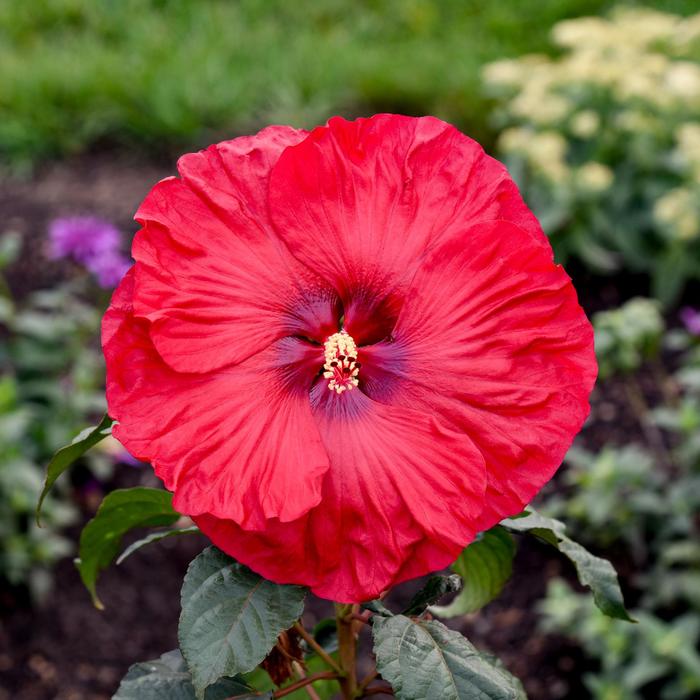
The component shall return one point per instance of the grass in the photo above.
(163, 75)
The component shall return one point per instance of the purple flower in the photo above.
(82, 238)
(691, 319)
(108, 268)
(91, 241)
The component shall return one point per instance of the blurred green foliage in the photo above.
(51, 376)
(627, 336)
(653, 659)
(174, 74)
(640, 498)
(25, 550)
(605, 142)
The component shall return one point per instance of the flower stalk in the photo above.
(313, 644)
(347, 649)
(301, 674)
(303, 683)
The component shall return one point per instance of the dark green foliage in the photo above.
(435, 588)
(485, 566)
(231, 617)
(156, 537)
(424, 659)
(167, 678)
(595, 573)
(67, 455)
(121, 511)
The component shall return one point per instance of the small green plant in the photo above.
(605, 140)
(631, 657)
(627, 336)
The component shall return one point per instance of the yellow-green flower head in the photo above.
(677, 212)
(585, 124)
(594, 177)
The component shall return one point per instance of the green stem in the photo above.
(313, 644)
(303, 683)
(347, 649)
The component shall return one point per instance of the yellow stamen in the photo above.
(340, 362)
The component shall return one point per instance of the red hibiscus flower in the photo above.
(346, 351)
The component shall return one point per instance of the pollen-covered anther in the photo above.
(340, 365)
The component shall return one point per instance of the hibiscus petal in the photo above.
(491, 338)
(239, 443)
(477, 381)
(402, 497)
(233, 175)
(360, 202)
(398, 477)
(211, 276)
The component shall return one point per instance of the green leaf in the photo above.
(70, 453)
(485, 566)
(424, 659)
(377, 607)
(231, 617)
(155, 537)
(119, 512)
(325, 632)
(167, 678)
(435, 588)
(593, 572)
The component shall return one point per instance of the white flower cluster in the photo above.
(678, 211)
(622, 99)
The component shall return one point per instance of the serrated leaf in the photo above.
(424, 659)
(231, 617)
(593, 572)
(435, 588)
(119, 512)
(156, 537)
(485, 566)
(167, 678)
(64, 457)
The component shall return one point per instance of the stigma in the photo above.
(340, 365)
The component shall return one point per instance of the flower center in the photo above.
(340, 366)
